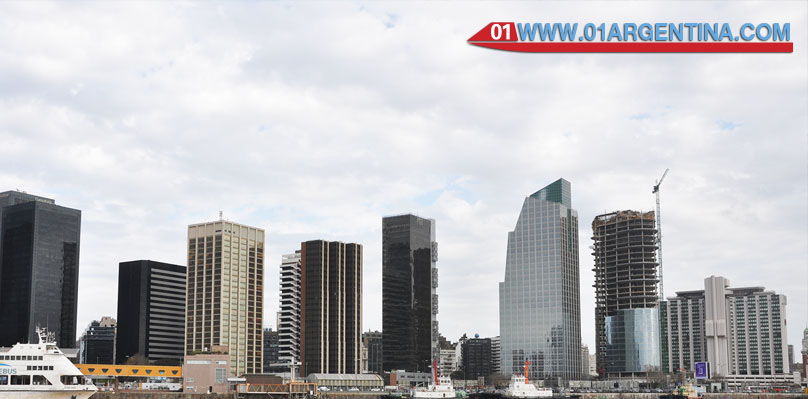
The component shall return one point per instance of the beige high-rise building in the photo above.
(225, 305)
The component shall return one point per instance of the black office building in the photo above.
(39, 268)
(151, 312)
(271, 353)
(372, 341)
(476, 357)
(409, 298)
(331, 307)
(97, 344)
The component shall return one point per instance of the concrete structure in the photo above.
(408, 379)
(372, 345)
(743, 330)
(289, 313)
(151, 312)
(448, 361)
(476, 358)
(585, 360)
(539, 299)
(626, 318)
(593, 365)
(363, 382)
(409, 293)
(39, 268)
(495, 355)
(206, 373)
(225, 285)
(97, 344)
(331, 307)
(682, 331)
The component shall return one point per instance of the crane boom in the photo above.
(659, 235)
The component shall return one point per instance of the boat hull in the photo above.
(45, 394)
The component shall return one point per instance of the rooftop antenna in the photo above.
(221, 217)
(659, 234)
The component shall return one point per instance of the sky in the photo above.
(315, 120)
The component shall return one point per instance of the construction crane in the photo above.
(659, 234)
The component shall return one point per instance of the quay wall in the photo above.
(160, 395)
(706, 396)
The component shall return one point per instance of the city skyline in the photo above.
(128, 139)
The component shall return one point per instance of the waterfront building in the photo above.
(448, 361)
(331, 307)
(372, 344)
(409, 293)
(206, 372)
(39, 269)
(151, 312)
(495, 354)
(539, 299)
(289, 314)
(584, 360)
(476, 358)
(97, 343)
(742, 331)
(272, 363)
(225, 293)
(626, 299)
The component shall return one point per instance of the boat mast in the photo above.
(527, 362)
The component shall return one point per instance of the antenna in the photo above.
(221, 217)
(659, 234)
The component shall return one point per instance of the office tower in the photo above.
(495, 355)
(804, 371)
(39, 269)
(97, 343)
(372, 342)
(626, 299)
(539, 300)
(743, 331)
(151, 312)
(272, 363)
(289, 314)
(584, 360)
(409, 293)
(225, 293)
(331, 304)
(477, 357)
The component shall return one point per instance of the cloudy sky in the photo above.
(315, 120)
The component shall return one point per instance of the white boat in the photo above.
(41, 371)
(521, 388)
(442, 388)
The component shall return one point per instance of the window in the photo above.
(20, 380)
(221, 376)
(41, 380)
(3, 380)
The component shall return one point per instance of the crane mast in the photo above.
(659, 235)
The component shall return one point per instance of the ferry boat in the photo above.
(41, 371)
(521, 388)
(442, 388)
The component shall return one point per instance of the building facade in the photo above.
(331, 307)
(151, 312)
(39, 268)
(272, 363)
(225, 293)
(495, 355)
(682, 331)
(289, 312)
(626, 299)
(448, 361)
(539, 299)
(409, 293)
(97, 344)
(743, 330)
(477, 358)
(372, 344)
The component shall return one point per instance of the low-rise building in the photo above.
(206, 373)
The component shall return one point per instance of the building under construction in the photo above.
(626, 311)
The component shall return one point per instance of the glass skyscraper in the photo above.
(539, 301)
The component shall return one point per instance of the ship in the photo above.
(442, 388)
(41, 371)
(521, 388)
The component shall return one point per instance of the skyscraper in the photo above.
(539, 300)
(626, 313)
(409, 293)
(372, 342)
(39, 268)
(289, 313)
(97, 344)
(225, 292)
(331, 303)
(151, 311)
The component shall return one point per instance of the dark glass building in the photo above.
(372, 341)
(331, 307)
(476, 358)
(271, 353)
(39, 268)
(151, 311)
(409, 293)
(97, 344)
